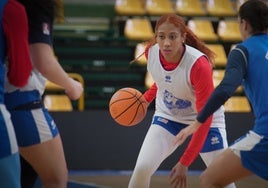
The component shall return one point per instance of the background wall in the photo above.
(93, 141)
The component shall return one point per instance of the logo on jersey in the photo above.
(53, 125)
(214, 140)
(46, 30)
(266, 56)
(168, 79)
(176, 105)
(163, 120)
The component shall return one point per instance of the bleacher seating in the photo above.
(203, 28)
(158, 7)
(139, 53)
(221, 59)
(148, 80)
(56, 102)
(228, 30)
(237, 104)
(220, 8)
(55, 97)
(101, 45)
(218, 75)
(129, 7)
(139, 29)
(190, 8)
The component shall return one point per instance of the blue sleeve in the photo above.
(234, 74)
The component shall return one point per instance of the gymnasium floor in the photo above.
(119, 179)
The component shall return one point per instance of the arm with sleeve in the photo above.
(15, 26)
(201, 78)
(235, 71)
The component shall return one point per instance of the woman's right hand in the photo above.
(75, 91)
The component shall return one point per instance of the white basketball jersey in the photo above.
(36, 81)
(175, 98)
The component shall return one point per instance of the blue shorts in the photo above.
(33, 126)
(214, 141)
(253, 151)
(10, 171)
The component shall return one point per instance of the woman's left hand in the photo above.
(187, 131)
(178, 175)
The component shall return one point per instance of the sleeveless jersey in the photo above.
(175, 98)
(40, 31)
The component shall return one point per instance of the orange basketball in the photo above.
(127, 107)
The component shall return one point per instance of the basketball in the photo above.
(127, 107)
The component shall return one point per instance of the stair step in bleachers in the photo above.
(106, 92)
(106, 66)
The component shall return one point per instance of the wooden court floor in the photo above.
(158, 181)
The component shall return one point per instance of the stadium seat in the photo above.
(237, 104)
(239, 3)
(158, 7)
(60, 16)
(203, 29)
(148, 80)
(139, 29)
(129, 7)
(57, 102)
(139, 54)
(51, 88)
(228, 31)
(218, 75)
(190, 8)
(220, 8)
(221, 59)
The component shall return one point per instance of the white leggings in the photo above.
(156, 147)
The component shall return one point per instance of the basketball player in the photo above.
(37, 134)
(181, 67)
(247, 65)
(14, 48)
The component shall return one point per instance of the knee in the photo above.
(204, 181)
(55, 180)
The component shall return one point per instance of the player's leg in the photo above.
(228, 167)
(48, 160)
(157, 145)
(209, 157)
(224, 169)
(40, 145)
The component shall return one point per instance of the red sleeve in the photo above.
(150, 94)
(201, 78)
(15, 26)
